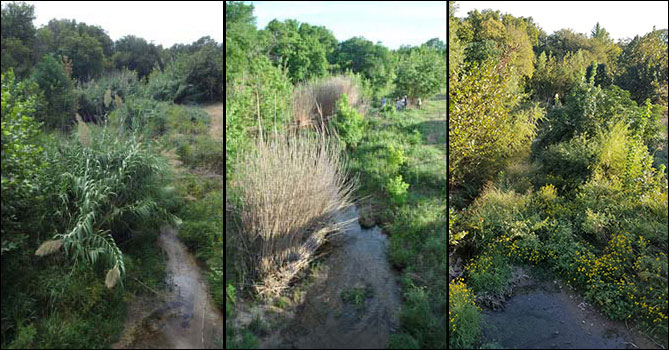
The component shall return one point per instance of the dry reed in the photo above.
(289, 190)
(319, 98)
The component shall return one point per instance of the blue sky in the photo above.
(394, 23)
(622, 19)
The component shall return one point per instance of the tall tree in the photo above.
(18, 37)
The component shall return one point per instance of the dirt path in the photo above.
(215, 111)
(185, 317)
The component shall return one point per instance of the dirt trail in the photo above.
(185, 317)
(215, 111)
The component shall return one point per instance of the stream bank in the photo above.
(328, 319)
(183, 317)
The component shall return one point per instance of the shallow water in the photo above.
(186, 318)
(324, 321)
(545, 316)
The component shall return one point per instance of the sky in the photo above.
(165, 23)
(394, 23)
(622, 19)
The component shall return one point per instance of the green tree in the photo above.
(58, 91)
(643, 68)
(487, 121)
(136, 54)
(373, 61)
(421, 72)
(18, 37)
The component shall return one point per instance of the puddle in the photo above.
(324, 321)
(186, 318)
(541, 315)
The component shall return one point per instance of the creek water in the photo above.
(545, 315)
(325, 321)
(185, 317)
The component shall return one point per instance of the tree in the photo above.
(487, 121)
(371, 60)
(421, 73)
(58, 92)
(136, 54)
(18, 37)
(643, 68)
(436, 44)
(86, 55)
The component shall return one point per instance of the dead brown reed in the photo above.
(323, 94)
(289, 189)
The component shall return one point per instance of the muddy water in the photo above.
(547, 316)
(324, 321)
(186, 317)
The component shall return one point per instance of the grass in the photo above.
(357, 296)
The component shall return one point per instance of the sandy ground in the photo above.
(215, 111)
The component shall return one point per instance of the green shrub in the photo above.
(95, 98)
(569, 164)
(349, 123)
(397, 189)
(402, 341)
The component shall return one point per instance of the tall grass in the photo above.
(319, 97)
(288, 190)
(98, 186)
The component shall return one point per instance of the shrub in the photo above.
(397, 189)
(349, 123)
(288, 189)
(95, 98)
(569, 164)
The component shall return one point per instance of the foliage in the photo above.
(112, 184)
(397, 189)
(21, 156)
(348, 122)
(371, 60)
(92, 101)
(58, 92)
(200, 75)
(463, 316)
(18, 37)
(487, 122)
(137, 55)
(301, 48)
(420, 73)
(643, 68)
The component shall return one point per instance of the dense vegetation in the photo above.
(557, 160)
(86, 185)
(293, 83)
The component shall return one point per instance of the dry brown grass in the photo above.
(289, 190)
(323, 94)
